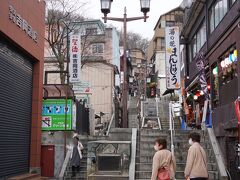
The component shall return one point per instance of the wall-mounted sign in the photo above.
(54, 112)
(16, 18)
(82, 88)
(75, 58)
(172, 58)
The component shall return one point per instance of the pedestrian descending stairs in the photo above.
(146, 151)
(82, 174)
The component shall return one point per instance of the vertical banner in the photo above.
(172, 58)
(75, 58)
(202, 77)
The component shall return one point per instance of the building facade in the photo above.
(156, 51)
(100, 59)
(21, 78)
(139, 72)
(212, 28)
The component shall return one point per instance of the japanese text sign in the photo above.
(75, 58)
(172, 58)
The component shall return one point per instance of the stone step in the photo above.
(143, 174)
(213, 175)
(25, 177)
(211, 167)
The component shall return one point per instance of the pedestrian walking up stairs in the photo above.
(82, 174)
(146, 151)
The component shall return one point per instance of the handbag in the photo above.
(163, 174)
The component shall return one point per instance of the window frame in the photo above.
(212, 9)
(96, 46)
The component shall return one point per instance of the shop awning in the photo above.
(57, 91)
(168, 91)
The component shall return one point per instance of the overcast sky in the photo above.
(158, 7)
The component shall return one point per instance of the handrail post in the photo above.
(159, 122)
(171, 126)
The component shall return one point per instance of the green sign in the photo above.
(54, 112)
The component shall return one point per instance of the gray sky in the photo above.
(158, 7)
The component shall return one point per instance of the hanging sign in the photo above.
(172, 58)
(202, 76)
(75, 58)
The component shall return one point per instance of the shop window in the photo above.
(162, 43)
(228, 67)
(97, 48)
(217, 12)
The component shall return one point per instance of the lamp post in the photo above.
(106, 8)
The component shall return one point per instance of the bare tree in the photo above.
(135, 40)
(59, 24)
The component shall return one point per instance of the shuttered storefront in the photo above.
(15, 111)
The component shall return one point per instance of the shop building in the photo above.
(212, 28)
(21, 74)
(156, 52)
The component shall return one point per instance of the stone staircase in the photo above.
(82, 175)
(133, 113)
(152, 113)
(146, 151)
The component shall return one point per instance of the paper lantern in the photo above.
(195, 97)
(231, 57)
(235, 53)
(223, 64)
(209, 87)
(215, 71)
(198, 94)
(227, 61)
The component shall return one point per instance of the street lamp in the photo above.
(145, 7)
(105, 8)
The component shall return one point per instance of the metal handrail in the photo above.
(110, 124)
(65, 163)
(133, 155)
(171, 126)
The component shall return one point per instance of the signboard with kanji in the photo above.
(75, 58)
(53, 114)
(172, 58)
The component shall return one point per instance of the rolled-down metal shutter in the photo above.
(15, 111)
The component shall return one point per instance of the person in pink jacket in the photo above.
(196, 167)
(164, 163)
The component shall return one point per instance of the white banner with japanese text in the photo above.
(75, 58)
(173, 70)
